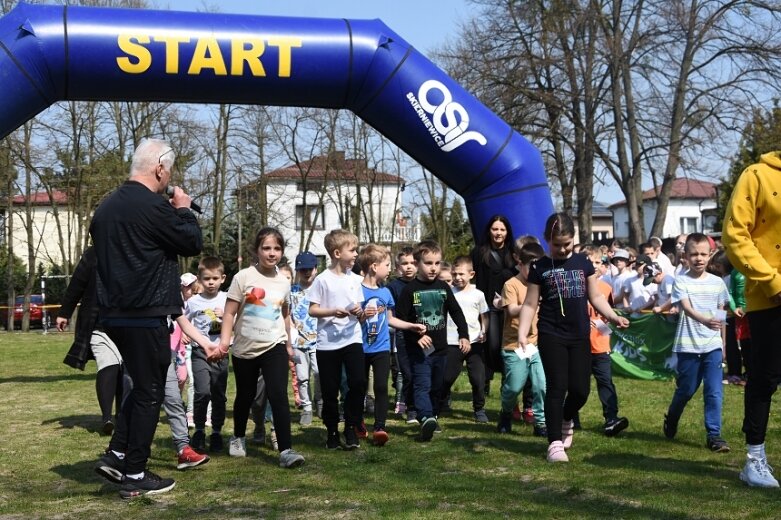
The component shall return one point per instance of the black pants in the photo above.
(603, 374)
(210, 379)
(380, 363)
(567, 365)
(764, 372)
(330, 363)
(274, 367)
(475, 369)
(493, 344)
(147, 354)
(405, 367)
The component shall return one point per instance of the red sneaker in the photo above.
(516, 413)
(189, 458)
(379, 437)
(528, 416)
(360, 430)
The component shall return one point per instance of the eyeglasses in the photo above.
(160, 159)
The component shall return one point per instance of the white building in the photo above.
(340, 193)
(46, 238)
(692, 208)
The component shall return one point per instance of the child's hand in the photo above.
(341, 313)
(481, 337)
(419, 328)
(218, 311)
(368, 312)
(464, 346)
(714, 324)
(657, 310)
(425, 342)
(354, 309)
(621, 322)
(523, 341)
(497, 301)
(739, 312)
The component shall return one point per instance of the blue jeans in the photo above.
(428, 376)
(692, 370)
(516, 372)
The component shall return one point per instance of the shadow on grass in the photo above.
(90, 423)
(84, 473)
(663, 465)
(49, 379)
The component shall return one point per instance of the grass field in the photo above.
(49, 443)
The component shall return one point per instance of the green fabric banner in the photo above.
(644, 350)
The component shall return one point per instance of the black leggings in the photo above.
(567, 365)
(273, 364)
(380, 363)
(330, 363)
(475, 370)
(764, 374)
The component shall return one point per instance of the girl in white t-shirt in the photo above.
(259, 296)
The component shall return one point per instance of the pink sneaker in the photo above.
(556, 452)
(401, 408)
(567, 430)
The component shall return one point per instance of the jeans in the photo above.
(147, 356)
(273, 364)
(603, 374)
(475, 368)
(379, 363)
(764, 374)
(211, 384)
(567, 364)
(517, 372)
(306, 368)
(331, 363)
(428, 375)
(692, 370)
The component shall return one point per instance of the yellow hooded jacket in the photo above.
(752, 230)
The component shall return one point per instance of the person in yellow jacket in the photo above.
(752, 237)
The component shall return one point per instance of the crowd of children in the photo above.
(342, 332)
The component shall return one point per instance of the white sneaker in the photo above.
(237, 447)
(290, 459)
(556, 452)
(758, 473)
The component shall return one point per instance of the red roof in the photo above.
(41, 198)
(333, 167)
(681, 189)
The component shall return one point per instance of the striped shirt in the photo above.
(706, 294)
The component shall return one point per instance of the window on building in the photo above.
(689, 225)
(310, 217)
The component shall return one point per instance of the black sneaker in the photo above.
(505, 424)
(669, 427)
(198, 441)
(427, 428)
(215, 443)
(111, 467)
(350, 438)
(481, 416)
(615, 426)
(108, 427)
(333, 442)
(540, 431)
(718, 445)
(149, 484)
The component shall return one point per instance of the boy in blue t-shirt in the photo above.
(378, 307)
(699, 341)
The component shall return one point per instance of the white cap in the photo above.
(187, 279)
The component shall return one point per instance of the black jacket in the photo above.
(138, 236)
(81, 289)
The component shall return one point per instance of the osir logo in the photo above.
(450, 119)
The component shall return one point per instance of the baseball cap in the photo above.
(620, 254)
(649, 273)
(643, 259)
(306, 260)
(187, 279)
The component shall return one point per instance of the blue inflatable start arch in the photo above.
(53, 53)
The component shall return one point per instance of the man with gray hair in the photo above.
(138, 236)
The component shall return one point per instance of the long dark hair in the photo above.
(559, 225)
(264, 233)
(506, 252)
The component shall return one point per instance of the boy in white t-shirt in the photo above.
(210, 378)
(335, 300)
(639, 295)
(617, 278)
(473, 304)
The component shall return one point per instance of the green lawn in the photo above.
(49, 443)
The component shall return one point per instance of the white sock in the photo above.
(756, 451)
(135, 476)
(120, 456)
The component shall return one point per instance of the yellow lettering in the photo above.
(241, 54)
(134, 47)
(285, 45)
(172, 51)
(207, 55)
